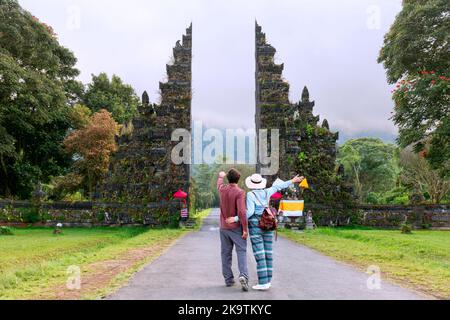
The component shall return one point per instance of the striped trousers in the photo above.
(262, 245)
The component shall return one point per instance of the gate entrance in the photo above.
(142, 170)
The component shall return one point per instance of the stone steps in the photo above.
(189, 224)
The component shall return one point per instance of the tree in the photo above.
(415, 55)
(64, 185)
(420, 176)
(351, 159)
(37, 84)
(205, 176)
(113, 95)
(79, 116)
(370, 164)
(92, 146)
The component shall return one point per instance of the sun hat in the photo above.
(256, 181)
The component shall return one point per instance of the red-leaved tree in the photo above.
(92, 145)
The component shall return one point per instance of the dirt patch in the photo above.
(99, 275)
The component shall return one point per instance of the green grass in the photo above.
(199, 216)
(32, 261)
(420, 260)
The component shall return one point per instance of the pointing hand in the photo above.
(298, 179)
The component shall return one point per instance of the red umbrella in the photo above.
(277, 196)
(180, 194)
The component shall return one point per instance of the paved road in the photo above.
(191, 269)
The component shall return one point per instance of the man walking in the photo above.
(233, 227)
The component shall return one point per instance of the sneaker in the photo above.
(261, 287)
(230, 284)
(244, 283)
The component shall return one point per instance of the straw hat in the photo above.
(256, 181)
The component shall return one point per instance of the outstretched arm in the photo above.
(220, 183)
(274, 189)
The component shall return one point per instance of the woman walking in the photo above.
(262, 241)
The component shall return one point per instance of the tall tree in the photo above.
(371, 164)
(203, 176)
(92, 146)
(113, 95)
(37, 84)
(420, 176)
(415, 55)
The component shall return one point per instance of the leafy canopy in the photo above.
(416, 57)
(37, 82)
(113, 95)
(371, 164)
(92, 146)
(419, 176)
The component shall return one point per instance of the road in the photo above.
(191, 270)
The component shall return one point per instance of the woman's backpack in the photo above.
(269, 219)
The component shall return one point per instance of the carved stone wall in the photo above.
(142, 171)
(89, 214)
(383, 216)
(306, 147)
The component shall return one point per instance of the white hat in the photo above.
(256, 181)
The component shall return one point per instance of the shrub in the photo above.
(5, 231)
(168, 218)
(66, 186)
(426, 226)
(4, 214)
(406, 228)
(30, 215)
(7, 214)
(398, 195)
(373, 198)
(100, 216)
(74, 197)
(46, 216)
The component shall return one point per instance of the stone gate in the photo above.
(142, 171)
(305, 146)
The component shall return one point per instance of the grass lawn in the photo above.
(420, 260)
(34, 262)
(199, 216)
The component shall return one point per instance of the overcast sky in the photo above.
(330, 46)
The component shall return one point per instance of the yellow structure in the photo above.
(292, 208)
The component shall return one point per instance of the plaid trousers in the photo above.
(262, 245)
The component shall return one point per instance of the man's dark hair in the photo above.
(233, 176)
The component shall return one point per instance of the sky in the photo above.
(330, 46)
